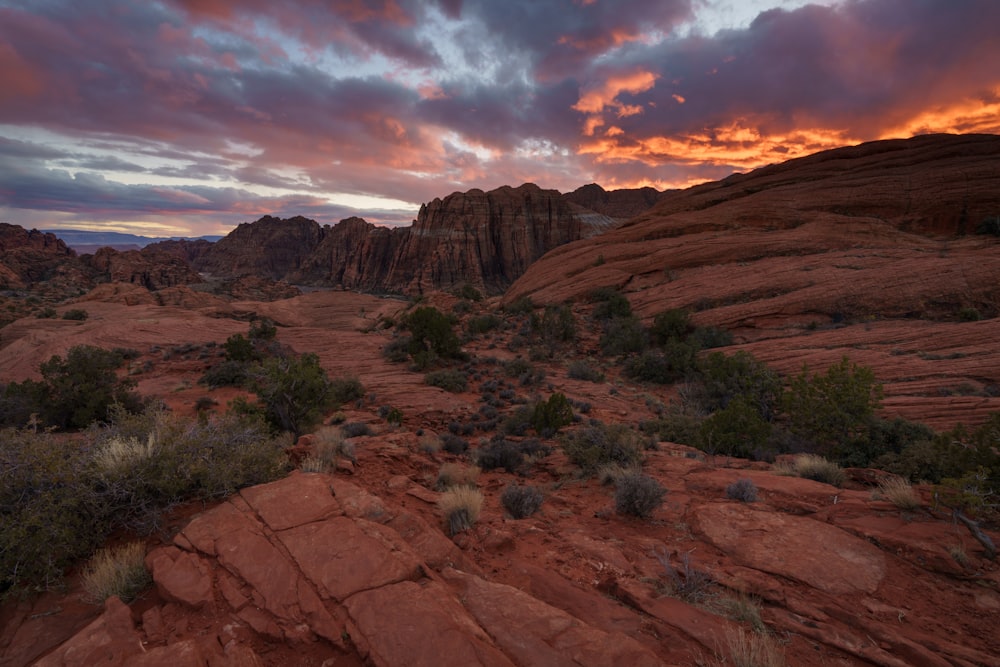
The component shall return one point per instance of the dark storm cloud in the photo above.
(411, 99)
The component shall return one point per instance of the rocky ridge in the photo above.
(486, 239)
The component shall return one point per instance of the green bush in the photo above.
(510, 455)
(736, 430)
(743, 490)
(706, 338)
(597, 446)
(611, 304)
(483, 324)
(671, 325)
(672, 363)
(75, 391)
(581, 370)
(77, 314)
(59, 501)
(46, 313)
(556, 325)
(722, 379)
(834, 407)
(990, 226)
(294, 392)
(346, 389)
(263, 330)
(549, 416)
(677, 424)
(622, 336)
(468, 292)
(227, 374)
(397, 350)
(431, 331)
(637, 494)
(521, 306)
(447, 379)
(240, 349)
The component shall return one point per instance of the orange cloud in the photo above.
(966, 116)
(596, 98)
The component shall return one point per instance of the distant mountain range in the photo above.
(83, 241)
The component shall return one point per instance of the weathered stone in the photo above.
(180, 576)
(534, 633)
(341, 556)
(293, 500)
(814, 553)
(110, 640)
(408, 624)
(358, 503)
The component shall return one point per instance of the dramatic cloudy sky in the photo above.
(189, 116)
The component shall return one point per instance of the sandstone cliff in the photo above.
(151, 267)
(487, 239)
(28, 257)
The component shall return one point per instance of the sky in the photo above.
(188, 117)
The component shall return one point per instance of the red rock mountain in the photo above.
(28, 257)
(487, 239)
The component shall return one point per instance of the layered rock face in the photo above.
(487, 239)
(28, 257)
(151, 268)
(268, 248)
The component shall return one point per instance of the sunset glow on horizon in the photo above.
(187, 117)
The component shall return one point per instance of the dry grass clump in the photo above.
(328, 446)
(638, 495)
(898, 492)
(742, 608)
(461, 506)
(752, 649)
(521, 501)
(119, 454)
(814, 467)
(116, 571)
(455, 474)
(743, 490)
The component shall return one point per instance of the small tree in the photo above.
(294, 392)
(835, 407)
(431, 331)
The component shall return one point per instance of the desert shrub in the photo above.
(722, 379)
(556, 325)
(736, 430)
(468, 292)
(743, 490)
(622, 336)
(59, 503)
(294, 392)
(817, 468)
(581, 370)
(517, 367)
(611, 304)
(77, 390)
(638, 495)
(461, 506)
(328, 445)
(391, 414)
(898, 492)
(548, 416)
(448, 379)
(397, 350)
(346, 389)
(834, 407)
(969, 314)
(753, 649)
(355, 429)
(46, 313)
(77, 314)
(671, 363)
(453, 444)
(431, 331)
(521, 501)
(455, 474)
(671, 325)
(517, 422)
(706, 338)
(119, 571)
(883, 437)
(483, 324)
(595, 446)
(521, 306)
(48, 509)
(678, 423)
(510, 455)
(684, 582)
(263, 330)
(227, 374)
(240, 349)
